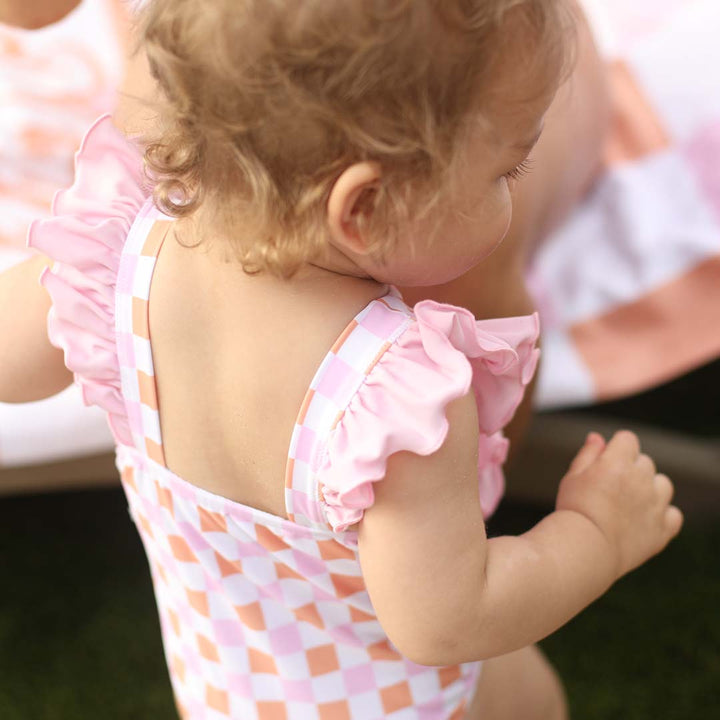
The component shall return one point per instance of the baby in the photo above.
(308, 459)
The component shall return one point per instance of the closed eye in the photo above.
(519, 171)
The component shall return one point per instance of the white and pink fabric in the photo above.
(629, 288)
(54, 83)
(266, 617)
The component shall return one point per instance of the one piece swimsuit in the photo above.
(264, 617)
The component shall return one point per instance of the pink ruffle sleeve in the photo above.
(85, 236)
(401, 406)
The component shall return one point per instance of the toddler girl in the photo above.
(300, 449)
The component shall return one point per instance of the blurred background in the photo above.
(629, 292)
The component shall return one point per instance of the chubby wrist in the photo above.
(557, 568)
(575, 539)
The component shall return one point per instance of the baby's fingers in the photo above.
(673, 516)
(624, 446)
(673, 521)
(646, 465)
(588, 453)
(664, 488)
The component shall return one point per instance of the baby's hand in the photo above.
(619, 490)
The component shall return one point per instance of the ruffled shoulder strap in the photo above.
(85, 237)
(343, 371)
(400, 405)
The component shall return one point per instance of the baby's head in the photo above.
(386, 131)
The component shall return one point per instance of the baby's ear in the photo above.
(351, 204)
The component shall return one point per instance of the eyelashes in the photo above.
(519, 171)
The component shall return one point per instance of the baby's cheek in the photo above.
(499, 223)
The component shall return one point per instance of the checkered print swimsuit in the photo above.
(262, 617)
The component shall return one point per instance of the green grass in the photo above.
(79, 636)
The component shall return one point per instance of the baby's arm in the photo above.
(445, 594)
(30, 367)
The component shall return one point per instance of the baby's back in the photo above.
(234, 355)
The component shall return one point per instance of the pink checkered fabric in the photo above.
(336, 382)
(267, 618)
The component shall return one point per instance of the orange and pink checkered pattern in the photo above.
(265, 618)
(336, 382)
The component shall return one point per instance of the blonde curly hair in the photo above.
(266, 102)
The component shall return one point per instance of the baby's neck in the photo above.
(332, 266)
(335, 261)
